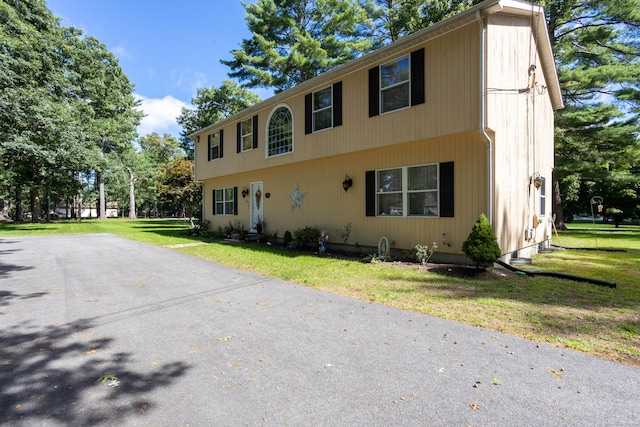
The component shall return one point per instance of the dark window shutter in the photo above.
(255, 131)
(239, 137)
(235, 200)
(337, 104)
(308, 113)
(417, 77)
(221, 139)
(374, 91)
(446, 189)
(209, 147)
(213, 193)
(370, 193)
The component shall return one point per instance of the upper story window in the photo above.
(397, 84)
(394, 85)
(323, 108)
(280, 131)
(247, 134)
(214, 146)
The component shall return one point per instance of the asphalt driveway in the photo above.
(97, 330)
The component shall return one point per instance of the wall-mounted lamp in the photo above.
(267, 195)
(347, 183)
(245, 192)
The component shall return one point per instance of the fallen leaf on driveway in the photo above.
(556, 373)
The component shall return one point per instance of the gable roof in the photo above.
(406, 44)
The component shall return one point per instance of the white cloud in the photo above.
(160, 115)
(121, 52)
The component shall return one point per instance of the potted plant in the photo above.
(259, 225)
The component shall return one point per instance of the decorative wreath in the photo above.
(258, 196)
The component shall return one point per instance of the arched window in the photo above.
(280, 131)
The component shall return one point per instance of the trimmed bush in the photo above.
(482, 246)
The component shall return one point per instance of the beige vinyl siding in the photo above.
(523, 124)
(451, 106)
(328, 206)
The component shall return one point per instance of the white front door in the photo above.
(256, 201)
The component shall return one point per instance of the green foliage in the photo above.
(423, 253)
(344, 232)
(178, 190)
(481, 246)
(295, 40)
(212, 105)
(287, 239)
(306, 237)
(64, 100)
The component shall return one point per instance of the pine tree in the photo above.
(295, 40)
(482, 245)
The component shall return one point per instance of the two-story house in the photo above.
(411, 142)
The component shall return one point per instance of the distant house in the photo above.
(411, 142)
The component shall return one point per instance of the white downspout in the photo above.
(483, 120)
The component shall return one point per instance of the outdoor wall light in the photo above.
(347, 183)
(245, 192)
(267, 195)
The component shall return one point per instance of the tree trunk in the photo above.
(3, 209)
(132, 195)
(102, 207)
(557, 206)
(35, 204)
(47, 215)
(18, 216)
(79, 199)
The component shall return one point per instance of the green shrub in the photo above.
(287, 239)
(482, 246)
(306, 237)
(424, 253)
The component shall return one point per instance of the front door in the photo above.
(256, 201)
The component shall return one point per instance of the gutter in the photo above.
(483, 131)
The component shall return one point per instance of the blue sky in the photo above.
(168, 49)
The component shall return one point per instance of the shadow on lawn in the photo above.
(53, 374)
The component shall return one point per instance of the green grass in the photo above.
(594, 319)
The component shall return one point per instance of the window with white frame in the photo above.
(543, 196)
(408, 191)
(323, 109)
(224, 201)
(214, 146)
(246, 134)
(280, 131)
(395, 85)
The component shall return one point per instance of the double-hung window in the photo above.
(224, 201)
(408, 191)
(280, 131)
(395, 85)
(411, 191)
(215, 145)
(323, 109)
(543, 196)
(246, 134)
